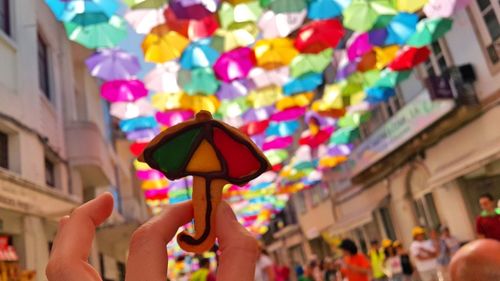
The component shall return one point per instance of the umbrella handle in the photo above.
(207, 194)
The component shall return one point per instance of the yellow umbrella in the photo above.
(238, 35)
(385, 55)
(166, 101)
(410, 6)
(235, 2)
(274, 53)
(300, 100)
(200, 102)
(265, 96)
(163, 44)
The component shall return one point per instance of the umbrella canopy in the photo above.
(123, 90)
(376, 37)
(263, 78)
(264, 97)
(379, 94)
(234, 89)
(284, 6)
(305, 83)
(444, 9)
(274, 53)
(129, 110)
(97, 35)
(242, 12)
(409, 58)
(358, 45)
(146, 4)
(362, 15)
(163, 44)
(429, 31)
(138, 123)
(305, 63)
(143, 20)
(163, 78)
(325, 9)
(275, 25)
(233, 108)
(199, 81)
(235, 64)
(66, 10)
(317, 36)
(239, 35)
(391, 79)
(199, 54)
(385, 55)
(171, 118)
(401, 27)
(289, 114)
(191, 28)
(282, 129)
(193, 9)
(215, 154)
(113, 64)
(410, 6)
(301, 100)
(255, 128)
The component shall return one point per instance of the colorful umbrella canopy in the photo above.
(379, 94)
(163, 78)
(66, 10)
(274, 53)
(409, 58)
(263, 78)
(199, 54)
(325, 9)
(444, 9)
(358, 45)
(239, 35)
(275, 25)
(233, 108)
(264, 97)
(317, 36)
(429, 31)
(377, 37)
(173, 117)
(199, 81)
(362, 15)
(163, 44)
(410, 6)
(391, 79)
(191, 28)
(239, 13)
(235, 64)
(143, 20)
(193, 9)
(129, 110)
(146, 4)
(400, 28)
(305, 83)
(113, 64)
(305, 63)
(234, 89)
(123, 90)
(97, 35)
(284, 6)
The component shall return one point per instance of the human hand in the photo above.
(147, 260)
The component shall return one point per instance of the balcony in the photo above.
(89, 154)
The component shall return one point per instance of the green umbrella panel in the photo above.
(391, 79)
(233, 108)
(199, 81)
(363, 15)
(429, 30)
(344, 136)
(243, 12)
(146, 4)
(284, 6)
(99, 35)
(307, 63)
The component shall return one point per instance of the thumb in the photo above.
(239, 249)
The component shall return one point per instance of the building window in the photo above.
(43, 67)
(5, 16)
(385, 216)
(4, 151)
(377, 119)
(50, 173)
(426, 212)
(438, 62)
(487, 16)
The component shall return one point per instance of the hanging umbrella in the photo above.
(325, 9)
(429, 31)
(191, 28)
(305, 83)
(259, 114)
(274, 53)
(128, 110)
(173, 117)
(282, 129)
(284, 6)
(401, 27)
(228, 157)
(146, 4)
(142, 135)
(138, 123)
(98, 35)
(113, 64)
(275, 25)
(367, 62)
(234, 89)
(263, 78)
(66, 10)
(358, 45)
(233, 108)
(242, 12)
(235, 64)
(200, 102)
(239, 35)
(317, 36)
(391, 79)
(278, 143)
(123, 90)
(379, 94)
(410, 6)
(409, 58)
(300, 100)
(362, 15)
(193, 9)
(199, 81)
(255, 127)
(444, 9)
(264, 97)
(385, 55)
(306, 63)
(376, 37)
(198, 54)
(163, 78)
(143, 20)
(289, 114)
(162, 44)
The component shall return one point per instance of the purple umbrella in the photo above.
(346, 70)
(193, 9)
(143, 135)
(259, 139)
(377, 37)
(235, 89)
(340, 150)
(123, 90)
(113, 64)
(258, 114)
(235, 64)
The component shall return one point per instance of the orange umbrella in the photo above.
(163, 44)
(274, 53)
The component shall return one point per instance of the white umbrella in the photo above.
(280, 25)
(263, 78)
(143, 20)
(163, 78)
(129, 110)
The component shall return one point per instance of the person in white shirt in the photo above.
(424, 254)
(264, 268)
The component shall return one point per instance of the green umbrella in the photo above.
(306, 63)
(362, 15)
(391, 79)
(146, 4)
(199, 81)
(353, 120)
(344, 135)
(429, 30)
(371, 77)
(243, 12)
(233, 108)
(284, 6)
(99, 35)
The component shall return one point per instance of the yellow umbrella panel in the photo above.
(274, 53)
(162, 44)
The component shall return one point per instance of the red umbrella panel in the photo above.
(317, 36)
(409, 57)
(192, 28)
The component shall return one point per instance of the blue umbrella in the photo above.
(400, 28)
(282, 129)
(66, 10)
(379, 94)
(139, 123)
(324, 9)
(304, 83)
(199, 54)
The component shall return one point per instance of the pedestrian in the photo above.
(282, 273)
(203, 273)
(424, 253)
(377, 259)
(330, 270)
(316, 270)
(448, 246)
(264, 269)
(354, 266)
(488, 222)
(305, 273)
(477, 261)
(394, 269)
(406, 265)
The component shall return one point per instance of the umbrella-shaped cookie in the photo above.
(215, 154)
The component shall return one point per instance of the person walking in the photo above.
(392, 264)
(377, 259)
(488, 222)
(354, 266)
(424, 253)
(448, 246)
(406, 265)
(264, 268)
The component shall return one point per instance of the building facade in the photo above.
(425, 156)
(57, 146)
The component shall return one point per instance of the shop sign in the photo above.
(10, 198)
(412, 119)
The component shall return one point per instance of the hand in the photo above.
(147, 260)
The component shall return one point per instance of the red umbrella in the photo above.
(192, 29)
(255, 128)
(319, 35)
(409, 58)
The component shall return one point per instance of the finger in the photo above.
(62, 222)
(147, 260)
(239, 249)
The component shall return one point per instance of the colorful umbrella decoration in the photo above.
(113, 64)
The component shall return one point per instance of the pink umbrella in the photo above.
(129, 110)
(275, 25)
(163, 78)
(174, 117)
(278, 143)
(143, 20)
(289, 114)
(235, 64)
(444, 8)
(264, 78)
(123, 90)
(149, 175)
(358, 46)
